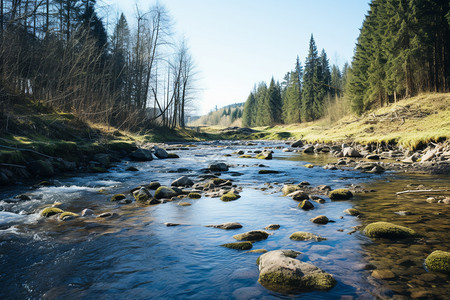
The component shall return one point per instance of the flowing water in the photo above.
(135, 256)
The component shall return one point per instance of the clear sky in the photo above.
(237, 43)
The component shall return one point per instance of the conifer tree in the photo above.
(273, 104)
(309, 94)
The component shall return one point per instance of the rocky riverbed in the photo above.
(342, 214)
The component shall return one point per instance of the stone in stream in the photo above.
(165, 192)
(280, 271)
(87, 212)
(254, 235)
(230, 196)
(160, 153)
(340, 194)
(141, 155)
(297, 143)
(383, 274)
(194, 195)
(298, 195)
(219, 167)
(272, 227)
(227, 226)
(142, 195)
(239, 245)
(50, 211)
(117, 197)
(183, 181)
(352, 212)
(350, 152)
(131, 169)
(438, 261)
(388, 230)
(306, 236)
(320, 220)
(264, 155)
(153, 185)
(268, 172)
(305, 205)
(289, 188)
(67, 216)
(317, 199)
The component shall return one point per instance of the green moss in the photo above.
(117, 197)
(11, 157)
(438, 261)
(245, 156)
(121, 146)
(340, 194)
(305, 236)
(194, 195)
(68, 214)
(388, 230)
(50, 211)
(264, 155)
(229, 197)
(239, 245)
(280, 282)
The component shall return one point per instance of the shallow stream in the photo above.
(136, 256)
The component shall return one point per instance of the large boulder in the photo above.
(254, 235)
(280, 271)
(183, 181)
(160, 153)
(141, 155)
(438, 261)
(388, 230)
(350, 152)
(165, 192)
(142, 195)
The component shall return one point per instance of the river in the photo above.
(136, 256)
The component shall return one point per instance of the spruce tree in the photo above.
(309, 93)
(248, 115)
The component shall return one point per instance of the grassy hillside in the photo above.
(409, 123)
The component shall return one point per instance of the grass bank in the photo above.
(409, 123)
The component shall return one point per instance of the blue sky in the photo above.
(237, 43)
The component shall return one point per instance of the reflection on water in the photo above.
(136, 256)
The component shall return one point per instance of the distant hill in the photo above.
(230, 115)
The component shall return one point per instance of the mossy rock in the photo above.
(257, 251)
(142, 195)
(306, 236)
(352, 212)
(67, 215)
(340, 194)
(184, 204)
(309, 166)
(153, 185)
(264, 155)
(305, 205)
(268, 172)
(254, 235)
(289, 188)
(239, 245)
(245, 156)
(438, 261)
(218, 181)
(127, 147)
(388, 230)
(194, 195)
(165, 192)
(172, 155)
(50, 211)
(230, 196)
(117, 197)
(98, 170)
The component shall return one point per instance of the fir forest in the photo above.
(202, 149)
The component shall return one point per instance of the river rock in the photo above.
(141, 155)
(428, 156)
(350, 152)
(87, 212)
(306, 236)
(383, 274)
(165, 192)
(239, 245)
(117, 197)
(317, 199)
(229, 196)
(297, 143)
(160, 153)
(280, 271)
(254, 235)
(264, 155)
(320, 220)
(183, 181)
(373, 157)
(305, 205)
(438, 261)
(219, 167)
(272, 227)
(67, 216)
(299, 195)
(308, 149)
(388, 230)
(340, 194)
(142, 195)
(153, 185)
(50, 211)
(352, 212)
(289, 188)
(227, 226)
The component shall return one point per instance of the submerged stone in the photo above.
(352, 212)
(230, 196)
(280, 271)
(272, 227)
(320, 220)
(194, 195)
(239, 245)
(227, 226)
(289, 188)
(67, 215)
(340, 194)
(305, 236)
(165, 192)
(388, 230)
(117, 197)
(305, 205)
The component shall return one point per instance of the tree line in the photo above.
(402, 50)
(302, 96)
(226, 116)
(59, 52)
